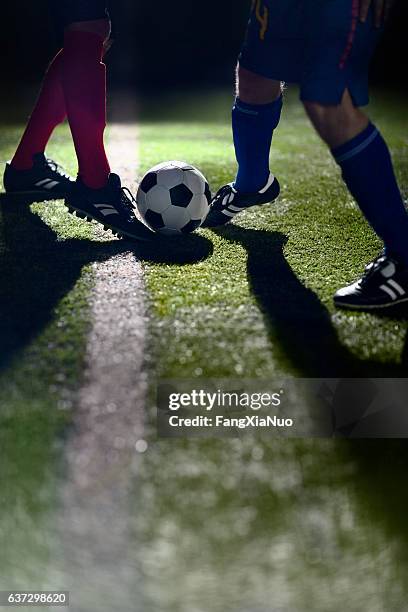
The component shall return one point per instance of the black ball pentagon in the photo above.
(207, 192)
(181, 196)
(154, 219)
(149, 181)
(190, 227)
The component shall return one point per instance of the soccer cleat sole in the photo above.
(86, 216)
(33, 197)
(345, 306)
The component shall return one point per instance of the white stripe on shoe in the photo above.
(47, 183)
(106, 209)
(228, 199)
(390, 292)
(109, 211)
(396, 286)
(106, 205)
(51, 184)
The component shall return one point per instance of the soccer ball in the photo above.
(173, 198)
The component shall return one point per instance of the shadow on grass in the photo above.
(379, 486)
(37, 270)
(297, 321)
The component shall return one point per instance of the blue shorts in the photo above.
(320, 44)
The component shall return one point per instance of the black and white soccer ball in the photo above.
(174, 198)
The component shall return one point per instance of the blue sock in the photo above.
(369, 175)
(253, 125)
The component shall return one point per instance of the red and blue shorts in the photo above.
(320, 44)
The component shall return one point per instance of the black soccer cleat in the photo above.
(112, 206)
(228, 202)
(383, 284)
(44, 181)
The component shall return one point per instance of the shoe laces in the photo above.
(55, 167)
(127, 200)
(373, 267)
(226, 190)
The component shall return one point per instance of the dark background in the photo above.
(162, 44)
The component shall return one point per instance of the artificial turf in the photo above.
(258, 302)
(253, 299)
(231, 524)
(44, 266)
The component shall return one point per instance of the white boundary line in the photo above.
(95, 556)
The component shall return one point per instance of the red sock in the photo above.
(84, 84)
(49, 111)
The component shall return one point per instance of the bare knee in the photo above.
(336, 125)
(101, 27)
(253, 88)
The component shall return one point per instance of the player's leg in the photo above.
(334, 87)
(77, 79)
(362, 154)
(367, 170)
(30, 174)
(97, 193)
(255, 115)
(366, 167)
(337, 124)
(48, 112)
(83, 79)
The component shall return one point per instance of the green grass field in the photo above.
(253, 300)
(273, 272)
